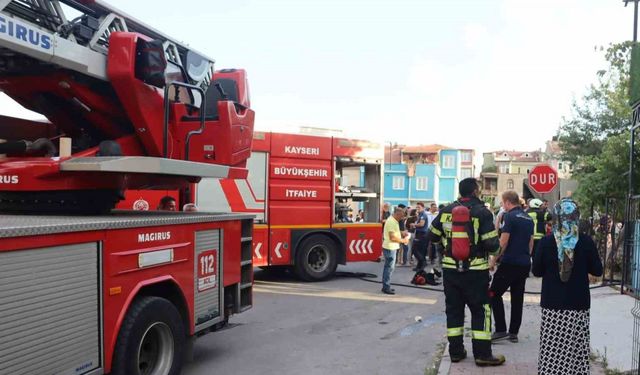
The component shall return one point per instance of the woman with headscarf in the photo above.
(564, 260)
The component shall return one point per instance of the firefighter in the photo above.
(540, 218)
(468, 235)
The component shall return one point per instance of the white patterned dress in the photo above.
(564, 342)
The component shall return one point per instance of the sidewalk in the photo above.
(522, 358)
(612, 327)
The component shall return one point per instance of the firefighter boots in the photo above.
(494, 360)
(455, 358)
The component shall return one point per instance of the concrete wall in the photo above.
(503, 182)
(523, 167)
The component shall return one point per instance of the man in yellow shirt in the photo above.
(391, 244)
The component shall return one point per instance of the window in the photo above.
(398, 183)
(422, 183)
(504, 169)
(509, 184)
(466, 156)
(447, 161)
(465, 173)
(560, 165)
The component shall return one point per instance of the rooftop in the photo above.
(532, 156)
(424, 149)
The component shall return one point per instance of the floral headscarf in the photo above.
(565, 231)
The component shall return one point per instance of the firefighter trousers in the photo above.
(470, 288)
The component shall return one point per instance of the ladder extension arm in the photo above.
(41, 30)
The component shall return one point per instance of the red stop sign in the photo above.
(543, 178)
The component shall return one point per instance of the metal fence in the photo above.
(608, 231)
(631, 272)
(631, 258)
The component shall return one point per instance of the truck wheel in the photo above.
(151, 339)
(316, 258)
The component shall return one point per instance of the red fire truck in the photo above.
(124, 293)
(306, 192)
(88, 290)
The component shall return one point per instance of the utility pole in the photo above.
(634, 94)
(635, 18)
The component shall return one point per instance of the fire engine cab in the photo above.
(85, 289)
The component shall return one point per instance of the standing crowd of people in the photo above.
(415, 224)
(410, 228)
(483, 255)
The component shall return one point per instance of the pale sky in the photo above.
(481, 74)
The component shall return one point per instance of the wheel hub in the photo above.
(318, 258)
(155, 353)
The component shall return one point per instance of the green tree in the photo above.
(490, 169)
(604, 175)
(595, 138)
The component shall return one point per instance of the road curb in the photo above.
(445, 363)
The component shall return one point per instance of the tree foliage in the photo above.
(606, 176)
(490, 169)
(595, 138)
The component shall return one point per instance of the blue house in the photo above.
(428, 174)
(396, 184)
(449, 165)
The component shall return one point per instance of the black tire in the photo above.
(316, 258)
(158, 322)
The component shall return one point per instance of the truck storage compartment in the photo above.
(207, 293)
(50, 310)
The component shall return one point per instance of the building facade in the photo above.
(509, 170)
(467, 168)
(506, 170)
(553, 157)
(426, 173)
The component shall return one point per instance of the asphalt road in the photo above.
(341, 326)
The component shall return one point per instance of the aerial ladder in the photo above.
(128, 107)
